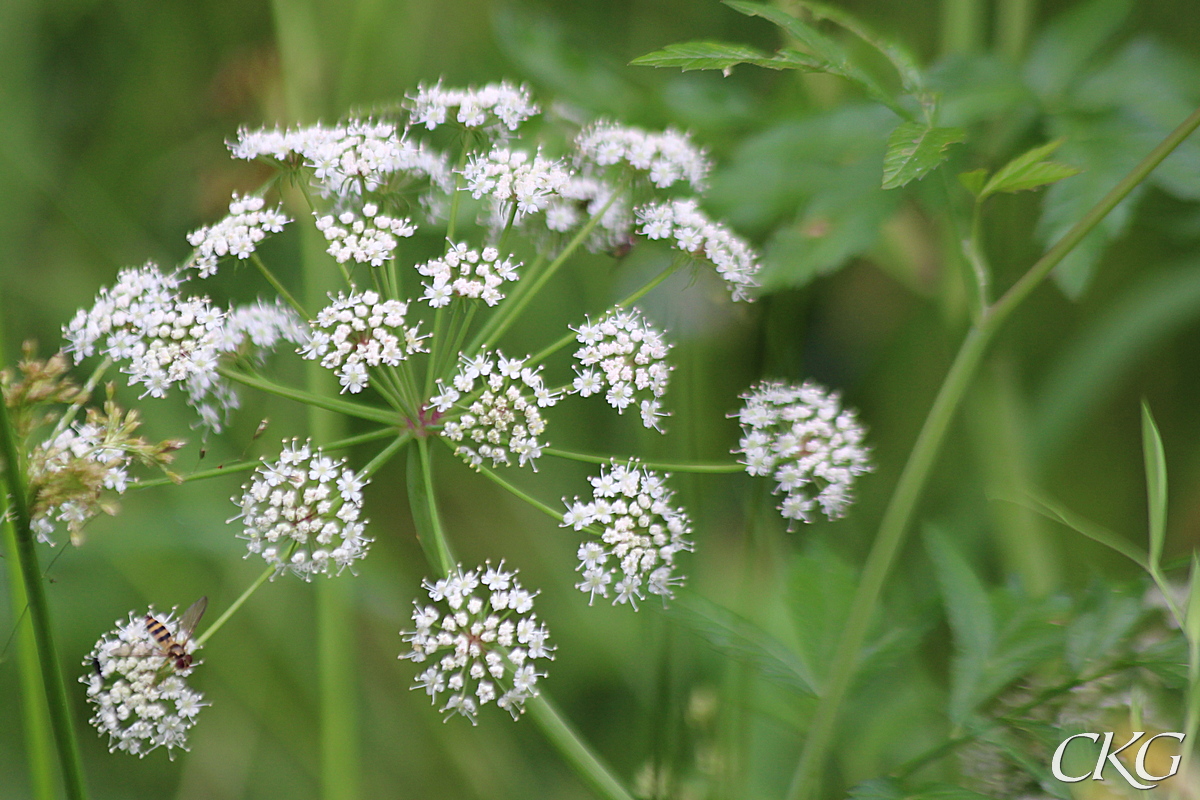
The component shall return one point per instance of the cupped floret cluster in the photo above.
(483, 641)
(464, 272)
(141, 698)
(302, 512)
(803, 438)
(692, 232)
(142, 320)
(515, 178)
(360, 331)
(584, 197)
(667, 156)
(640, 533)
(625, 357)
(366, 238)
(237, 235)
(492, 106)
(498, 402)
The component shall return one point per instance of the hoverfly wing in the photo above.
(187, 623)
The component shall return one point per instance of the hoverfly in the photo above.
(173, 646)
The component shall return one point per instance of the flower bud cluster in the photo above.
(142, 700)
(491, 106)
(499, 422)
(369, 238)
(512, 177)
(361, 331)
(238, 234)
(301, 513)
(467, 273)
(641, 534)
(165, 338)
(623, 352)
(483, 639)
(697, 235)
(667, 157)
(803, 438)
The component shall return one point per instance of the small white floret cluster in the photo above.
(142, 320)
(491, 106)
(82, 441)
(238, 234)
(625, 354)
(697, 235)
(301, 513)
(803, 438)
(142, 700)
(499, 423)
(641, 534)
(583, 197)
(509, 177)
(346, 159)
(668, 157)
(367, 238)
(361, 331)
(474, 274)
(485, 646)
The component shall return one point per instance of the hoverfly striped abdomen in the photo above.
(173, 648)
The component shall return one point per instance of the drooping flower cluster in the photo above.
(697, 235)
(143, 320)
(367, 238)
(238, 234)
(668, 157)
(625, 354)
(485, 646)
(509, 177)
(491, 106)
(361, 331)
(467, 273)
(640, 537)
(499, 423)
(301, 513)
(803, 438)
(142, 700)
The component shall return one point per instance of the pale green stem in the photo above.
(806, 781)
(308, 398)
(521, 495)
(665, 466)
(440, 553)
(233, 608)
(279, 287)
(574, 749)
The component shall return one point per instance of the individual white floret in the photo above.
(367, 238)
(803, 438)
(666, 157)
(463, 272)
(492, 106)
(694, 233)
(237, 235)
(623, 353)
(512, 177)
(482, 640)
(301, 513)
(640, 534)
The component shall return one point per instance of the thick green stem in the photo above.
(571, 746)
(665, 466)
(311, 398)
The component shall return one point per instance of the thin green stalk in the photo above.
(424, 500)
(666, 466)
(571, 746)
(279, 287)
(311, 399)
(521, 495)
(385, 455)
(806, 781)
(233, 608)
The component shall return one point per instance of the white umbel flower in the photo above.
(142, 320)
(667, 157)
(492, 106)
(623, 353)
(237, 235)
(82, 441)
(482, 639)
(512, 177)
(498, 402)
(142, 700)
(640, 534)
(694, 233)
(803, 438)
(367, 238)
(462, 272)
(358, 332)
(301, 513)
(583, 197)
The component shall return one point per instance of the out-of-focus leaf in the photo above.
(820, 589)
(1029, 171)
(1107, 618)
(1052, 509)
(974, 180)
(1167, 660)
(981, 88)
(739, 638)
(1156, 483)
(1071, 42)
(891, 789)
(905, 65)
(914, 149)
(1191, 618)
(718, 55)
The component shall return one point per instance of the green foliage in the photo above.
(888, 789)
(1030, 170)
(717, 55)
(914, 149)
(1156, 484)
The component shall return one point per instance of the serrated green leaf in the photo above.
(974, 180)
(914, 149)
(906, 66)
(1029, 171)
(718, 55)
(1156, 484)
(1191, 620)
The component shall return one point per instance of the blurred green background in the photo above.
(113, 118)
